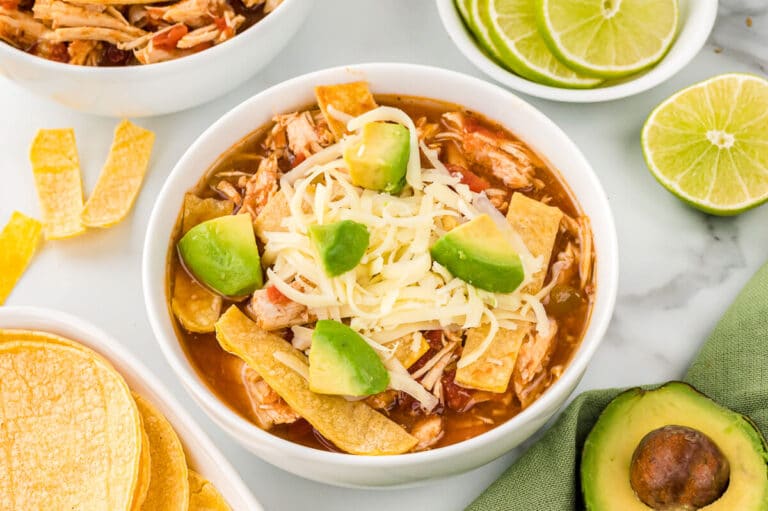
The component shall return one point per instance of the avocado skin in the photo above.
(342, 363)
(379, 159)
(222, 254)
(477, 252)
(341, 245)
(641, 410)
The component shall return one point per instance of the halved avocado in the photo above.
(689, 435)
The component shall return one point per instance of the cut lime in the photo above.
(708, 144)
(608, 38)
(511, 25)
(479, 30)
(463, 8)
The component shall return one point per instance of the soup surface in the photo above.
(116, 33)
(525, 355)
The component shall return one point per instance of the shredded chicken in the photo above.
(529, 376)
(305, 136)
(109, 35)
(20, 29)
(275, 316)
(434, 374)
(65, 15)
(383, 400)
(510, 161)
(85, 53)
(269, 5)
(498, 198)
(229, 191)
(268, 407)
(193, 13)
(151, 54)
(428, 431)
(261, 186)
(212, 33)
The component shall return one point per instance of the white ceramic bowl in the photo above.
(165, 87)
(697, 17)
(202, 455)
(496, 103)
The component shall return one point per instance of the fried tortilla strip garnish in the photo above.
(56, 168)
(169, 478)
(352, 426)
(537, 224)
(410, 348)
(203, 496)
(353, 98)
(121, 177)
(18, 242)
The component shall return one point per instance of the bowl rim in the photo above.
(155, 253)
(168, 66)
(691, 37)
(82, 331)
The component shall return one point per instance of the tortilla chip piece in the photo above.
(538, 225)
(405, 352)
(65, 399)
(56, 168)
(197, 210)
(120, 179)
(352, 426)
(18, 243)
(196, 308)
(145, 472)
(493, 369)
(168, 482)
(271, 216)
(203, 496)
(353, 98)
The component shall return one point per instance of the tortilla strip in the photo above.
(203, 496)
(352, 426)
(121, 177)
(538, 225)
(56, 168)
(197, 210)
(404, 351)
(353, 98)
(18, 243)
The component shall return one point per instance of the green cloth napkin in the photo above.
(731, 368)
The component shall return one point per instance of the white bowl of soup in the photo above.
(391, 357)
(201, 454)
(138, 58)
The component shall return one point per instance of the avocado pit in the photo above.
(676, 468)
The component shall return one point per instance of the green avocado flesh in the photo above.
(341, 245)
(477, 252)
(222, 254)
(608, 450)
(379, 158)
(341, 362)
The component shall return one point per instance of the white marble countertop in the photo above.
(680, 269)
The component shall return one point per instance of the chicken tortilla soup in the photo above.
(380, 274)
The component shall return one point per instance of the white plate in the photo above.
(697, 17)
(202, 455)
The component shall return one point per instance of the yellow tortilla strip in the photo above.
(352, 426)
(121, 177)
(271, 217)
(203, 496)
(353, 98)
(538, 225)
(71, 431)
(197, 210)
(196, 308)
(18, 242)
(56, 169)
(168, 482)
(404, 351)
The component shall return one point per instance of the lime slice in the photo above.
(463, 8)
(708, 144)
(608, 38)
(511, 25)
(479, 30)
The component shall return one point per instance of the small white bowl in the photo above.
(164, 87)
(471, 93)
(697, 17)
(202, 455)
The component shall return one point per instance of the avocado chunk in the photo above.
(477, 252)
(222, 254)
(673, 448)
(379, 158)
(341, 245)
(341, 362)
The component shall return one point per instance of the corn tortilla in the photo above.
(203, 496)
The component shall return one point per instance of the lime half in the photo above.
(708, 144)
(511, 25)
(608, 38)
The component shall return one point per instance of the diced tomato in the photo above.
(456, 397)
(200, 47)
(298, 159)
(167, 40)
(275, 296)
(476, 183)
(221, 24)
